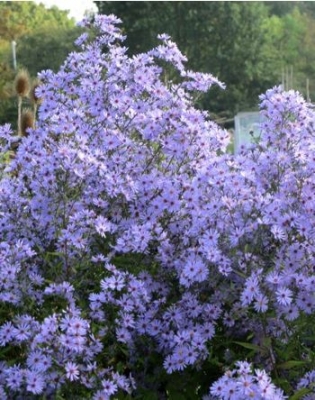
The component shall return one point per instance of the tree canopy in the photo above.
(43, 37)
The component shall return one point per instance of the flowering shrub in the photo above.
(137, 254)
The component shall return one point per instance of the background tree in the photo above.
(281, 8)
(45, 50)
(43, 39)
(290, 48)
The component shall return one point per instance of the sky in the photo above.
(76, 7)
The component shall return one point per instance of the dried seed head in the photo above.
(27, 121)
(32, 95)
(22, 83)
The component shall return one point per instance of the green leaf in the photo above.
(249, 346)
(300, 394)
(308, 338)
(291, 364)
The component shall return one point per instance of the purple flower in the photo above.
(72, 371)
(261, 303)
(6, 333)
(109, 387)
(35, 382)
(284, 296)
(38, 361)
(22, 332)
(194, 270)
(123, 335)
(251, 291)
(14, 378)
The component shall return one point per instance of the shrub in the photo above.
(137, 255)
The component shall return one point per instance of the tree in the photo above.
(290, 49)
(20, 17)
(43, 39)
(281, 8)
(45, 50)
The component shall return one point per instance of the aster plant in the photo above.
(139, 259)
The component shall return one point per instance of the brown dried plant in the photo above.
(22, 83)
(27, 121)
(35, 100)
(22, 87)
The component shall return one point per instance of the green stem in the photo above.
(35, 111)
(19, 114)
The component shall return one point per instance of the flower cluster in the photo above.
(242, 384)
(131, 239)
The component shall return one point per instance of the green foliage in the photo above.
(18, 18)
(281, 8)
(43, 39)
(45, 50)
